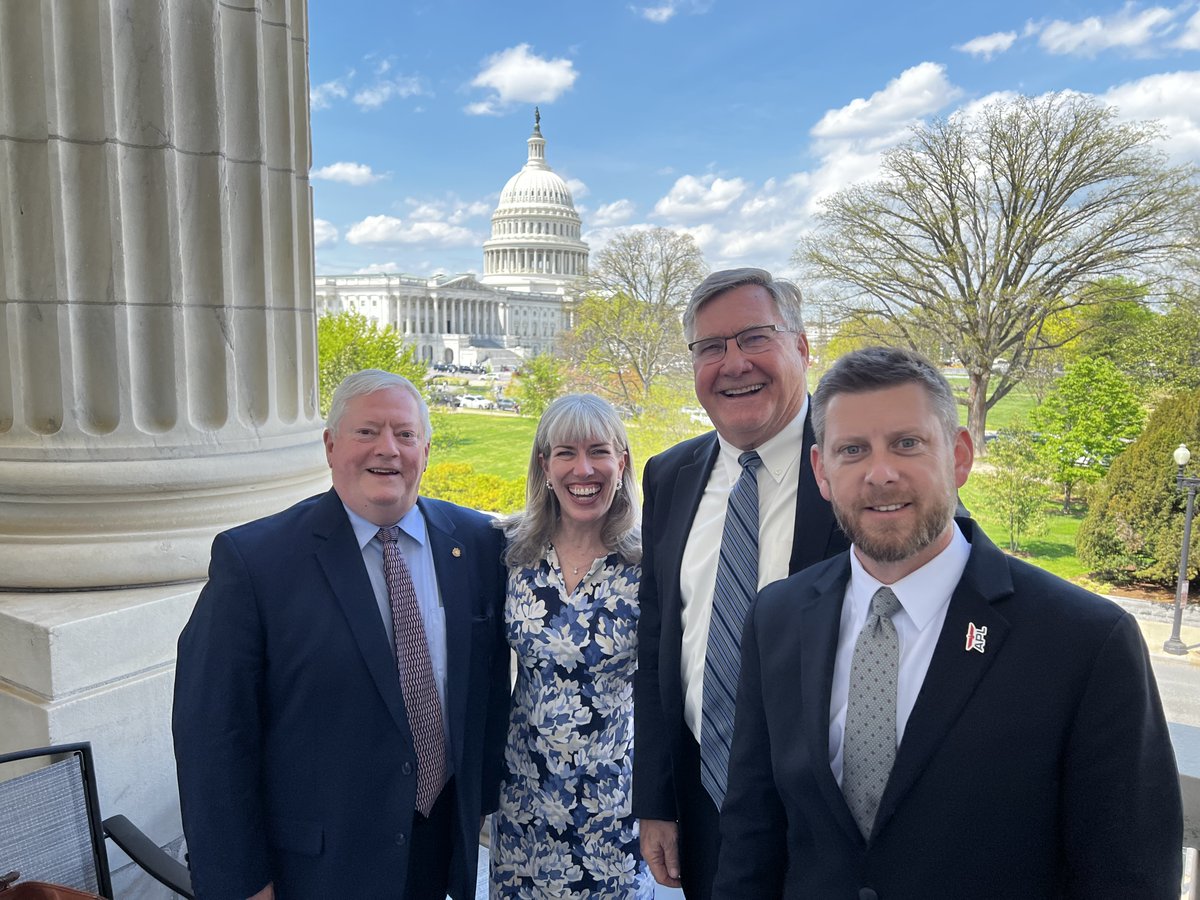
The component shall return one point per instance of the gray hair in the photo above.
(571, 419)
(368, 381)
(876, 368)
(785, 294)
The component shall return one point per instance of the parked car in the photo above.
(474, 401)
(507, 405)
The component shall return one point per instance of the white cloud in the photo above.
(578, 189)
(324, 233)
(1129, 28)
(666, 10)
(384, 268)
(920, 91)
(1190, 39)
(518, 76)
(1173, 98)
(321, 96)
(375, 95)
(694, 197)
(347, 173)
(657, 14)
(615, 213)
(390, 230)
(988, 45)
(473, 210)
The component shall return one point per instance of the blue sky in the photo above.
(728, 120)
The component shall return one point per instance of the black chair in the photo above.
(51, 830)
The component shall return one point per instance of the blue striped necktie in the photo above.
(737, 584)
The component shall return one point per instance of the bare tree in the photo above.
(626, 330)
(983, 227)
(655, 266)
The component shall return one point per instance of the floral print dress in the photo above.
(564, 828)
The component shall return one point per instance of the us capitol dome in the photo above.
(535, 243)
(534, 266)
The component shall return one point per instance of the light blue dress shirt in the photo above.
(414, 545)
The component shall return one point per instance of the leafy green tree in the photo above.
(1169, 350)
(1134, 527)
(1085, 421)
(985, 225)
(1014, 485)
(540, 381)
(663, 421)
(349, 342)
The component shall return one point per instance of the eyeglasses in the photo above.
(755, 339)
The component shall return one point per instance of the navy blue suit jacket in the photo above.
(295, 759)
(1038, 768)
(673, 484)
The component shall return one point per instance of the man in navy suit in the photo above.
(1025, 749)
(749, 357)
(299, 753)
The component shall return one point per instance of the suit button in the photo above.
(867, 894)
(400, 839)
(406, 769)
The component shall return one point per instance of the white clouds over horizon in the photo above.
(517, 75)
(1173, 99)
(384, 229)
(915, 93)
(351, 173)
(376, 95)
(616, 213)
(1129, 28)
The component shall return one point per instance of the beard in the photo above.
(900, 541)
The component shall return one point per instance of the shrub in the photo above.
(460, 483)
(1134, 528)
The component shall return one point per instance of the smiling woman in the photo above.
(571, 613)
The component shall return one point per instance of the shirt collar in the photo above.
(778, 453)
(922, 593)
(412, 524)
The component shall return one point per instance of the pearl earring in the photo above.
(618, 487)
(549, 486)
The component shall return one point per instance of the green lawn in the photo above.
(1053, 549)
(1017, 404)
(491, 443)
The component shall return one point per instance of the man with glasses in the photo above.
(702, 566)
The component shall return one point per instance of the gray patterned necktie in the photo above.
(421, 701)
(737, 585)
(869, 745)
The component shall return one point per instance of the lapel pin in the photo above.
(976, 637)
(456, 551)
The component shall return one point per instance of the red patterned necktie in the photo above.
(416, 673)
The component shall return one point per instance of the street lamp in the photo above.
(1174, 644)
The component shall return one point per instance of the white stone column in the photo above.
(157, 350)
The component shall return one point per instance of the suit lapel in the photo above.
(814, 515)
(954, 671)
(690, 482)
(818, 627)
(341, 559)
(451, 567)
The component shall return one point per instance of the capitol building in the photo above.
(533, 264)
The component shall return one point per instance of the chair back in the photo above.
(50, 827)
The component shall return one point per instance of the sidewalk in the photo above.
(1156, 621)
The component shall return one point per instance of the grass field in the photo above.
(1016, 405)
(491, 443)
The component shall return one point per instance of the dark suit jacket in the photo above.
(673, 484)
(1038, 768)
(296, 763)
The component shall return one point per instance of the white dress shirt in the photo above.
(778, 484)
(924, 596)
(413, 541)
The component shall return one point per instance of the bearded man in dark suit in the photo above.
(924, 716)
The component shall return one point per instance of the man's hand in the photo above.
(660, 848)
(267, 893)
